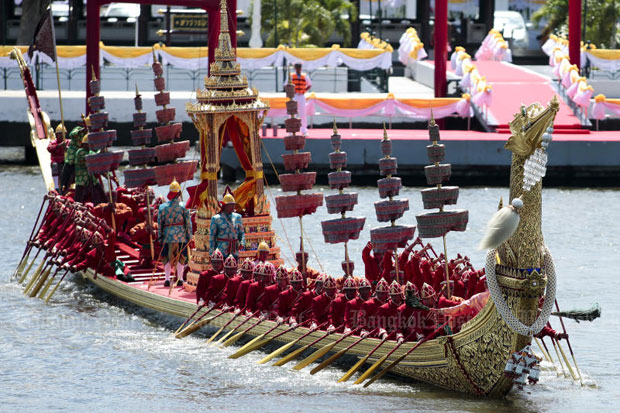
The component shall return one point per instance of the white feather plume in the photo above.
(502, 225)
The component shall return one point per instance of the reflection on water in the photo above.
(87, 347)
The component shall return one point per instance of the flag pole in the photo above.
(62, 115)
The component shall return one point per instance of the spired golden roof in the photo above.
(225, 89)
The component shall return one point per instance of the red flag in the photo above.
(44, 39)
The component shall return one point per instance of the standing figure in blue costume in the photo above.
(175, 231)
(226, 232)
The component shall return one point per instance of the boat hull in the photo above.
(471, 361)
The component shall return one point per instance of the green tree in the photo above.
(306, 23)
(600, 22)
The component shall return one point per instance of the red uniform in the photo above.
(427, 274)
(242, 293)
(57, 150)
(216, 288)
(255, 294)
(304, 305)
(203, 283)
(368, 313)
(286, 300)
(458, 289)
(321, 306)
(370, 265)
(351, 312)
(388, 319)
(95, 261)
(415, 321)
(336, 312)
(230, 291)
(268, 301)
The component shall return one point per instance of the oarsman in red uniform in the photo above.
(289, 297)
(321, 305)
(353, 306)
(230, 290)
(257, 288)
(415, 322)
(371, 264)
(370, 307)
(427, 274)
(57, 148)
(337, 311)
(218, 282)
(247, 271)
(99, 257)
(303, 307)
(272, 292)
(388, 314)
(217, 266)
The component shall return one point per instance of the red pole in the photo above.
(574, 32)
(441, 50)
(92, 44)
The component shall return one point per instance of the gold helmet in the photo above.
(228, 199)
(61, 129)
(85, 139)
(175, 186)
(263, 246)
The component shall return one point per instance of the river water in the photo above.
(87, 349)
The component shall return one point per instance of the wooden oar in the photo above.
(26, 253)
(360, 362)
(570, 348)
(568, 366)
(49, 282)
(401, 358)
(337, 355)
(557, 353)
(198, 324)
(285, 347)
(223, 327)
(56, 286)
(252, 342)
(321, 352)
(24, 274)
(37, 286)
(542, 340)
(237, 336)
(542, 350)
(241, 324)
(299, 351)
(200, 307)
(36, 273)
(260, 341)
(377, 364)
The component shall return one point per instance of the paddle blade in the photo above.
(245, 350)
(34, 277)
(353, 369)
(252, 342)
(385, 370)
(277, 352)
(25, 274)
(328, 361)
(372, 368)
(215, 335)
(291, 356)
(314, 356)
(193, 327)
(225, 336)
(233, 339)
(40, 282)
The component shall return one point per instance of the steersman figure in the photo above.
(226, 232)
(175, 231)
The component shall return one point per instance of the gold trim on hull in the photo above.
(482, 346)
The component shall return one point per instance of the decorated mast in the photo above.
(166, 152)
(438, 224)
(390, 238)
(344, 228)
(298, 204)
(228, 110)
(99, 138)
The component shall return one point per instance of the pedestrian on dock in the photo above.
(302, 84)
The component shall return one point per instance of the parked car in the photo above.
(512, 26)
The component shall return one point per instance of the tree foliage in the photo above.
(601, 20)
(306, 23)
